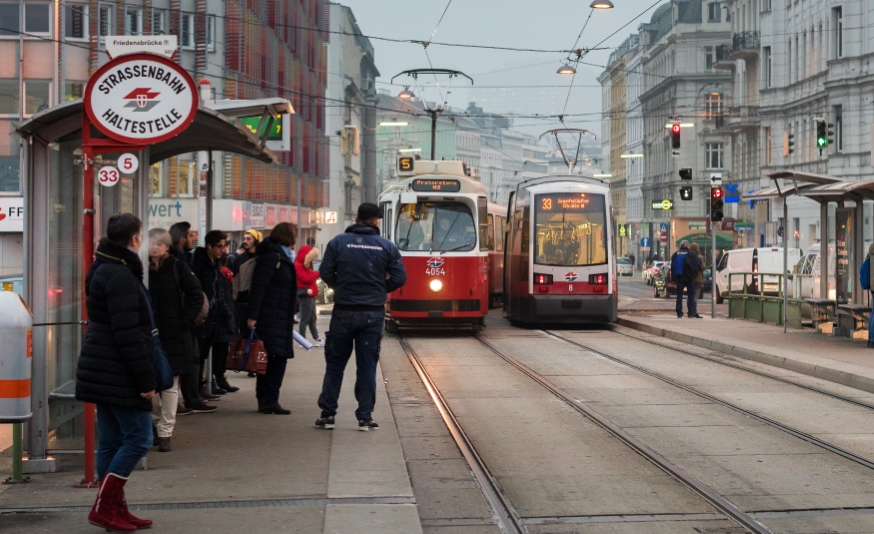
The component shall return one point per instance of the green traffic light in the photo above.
(821, 141)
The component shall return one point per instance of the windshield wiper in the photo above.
(459, 247)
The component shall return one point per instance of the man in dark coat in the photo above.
(682, 262)
(176, 302)
(271, 311)
(217, 331)
(115, 369)
(363, 268)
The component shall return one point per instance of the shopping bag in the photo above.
(247, 355)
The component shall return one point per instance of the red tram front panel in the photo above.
(443, 287)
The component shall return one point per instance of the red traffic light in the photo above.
(675, 128)
(716, 193)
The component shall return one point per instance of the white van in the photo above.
(806, 274)
(765, 260)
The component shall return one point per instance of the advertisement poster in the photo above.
(843, 250)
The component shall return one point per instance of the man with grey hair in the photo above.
(684, 267)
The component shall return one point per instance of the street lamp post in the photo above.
(433, 113)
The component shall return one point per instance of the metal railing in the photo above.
(761, 299)
(745, 41)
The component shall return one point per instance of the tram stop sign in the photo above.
(141, 99)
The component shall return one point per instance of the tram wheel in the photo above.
(391, 327)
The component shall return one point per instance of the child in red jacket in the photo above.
(307, 291)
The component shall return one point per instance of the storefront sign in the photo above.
(165, 212)
(163, 45)
(141, 99)
(270, 214)
(665, 204)
(256, 215)
(330, 217)
(11, 214)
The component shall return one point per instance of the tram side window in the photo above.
(492, 221)
(500, 228)
(482, 209)
(435, 226)
(571, 229)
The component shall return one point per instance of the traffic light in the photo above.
(686, 174)
(791, 143)
(675, 136)
(831, 132)
(716, 203)
(821, 134)
(686, 193)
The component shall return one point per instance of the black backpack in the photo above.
(692, 267)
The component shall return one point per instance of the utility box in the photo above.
(16, 349)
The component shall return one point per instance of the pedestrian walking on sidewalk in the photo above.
(698, 282)
(684, 267)
(177, 299)
(362, 267)
(870, 284)
(115, 368)
(307, 291)
(271, 311)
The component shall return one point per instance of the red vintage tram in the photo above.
(560, 249)
(440, 220)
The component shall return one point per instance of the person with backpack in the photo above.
(698, 282)
(866, 280)
(684, 267)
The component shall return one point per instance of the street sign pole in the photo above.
(712, 269)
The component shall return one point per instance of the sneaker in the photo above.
(319, 343)
(182, 410)
(679, 316)
(204, 408)
(696, 316)
(367, 425)
(325, 423)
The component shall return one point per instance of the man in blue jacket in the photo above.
(362, 267)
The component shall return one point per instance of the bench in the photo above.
(853, 321)
(822, 312)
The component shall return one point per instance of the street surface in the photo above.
(595, 429)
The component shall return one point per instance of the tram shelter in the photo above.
(53, 182)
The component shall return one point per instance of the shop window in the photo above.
(75, 21)
(156, 179)
(9, 97)
(73, 90)
(10, 181)
(36, 96)
(9, 16)
(37, 18)
(186, 178)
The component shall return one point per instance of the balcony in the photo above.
(743, 117)
(723, 61)
(745, 45)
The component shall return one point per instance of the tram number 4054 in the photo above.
(435, 271)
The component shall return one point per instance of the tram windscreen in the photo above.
(571, 229)
(435, 227)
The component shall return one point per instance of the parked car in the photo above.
(653, 271)
(624, 265)
(326, 294)
(765, 260)
(664, 285)
(708, 281)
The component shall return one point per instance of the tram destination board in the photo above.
(564, 202)
(425, 185)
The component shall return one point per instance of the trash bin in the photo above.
(16, 348)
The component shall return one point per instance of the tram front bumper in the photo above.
(573, 308)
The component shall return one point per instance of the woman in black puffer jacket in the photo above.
(271, 311)
(115, 368)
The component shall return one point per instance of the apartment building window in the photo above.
(9, 97)
(766, 133)
(803, 142)
(789, 62)
(10, 175)
(159, 22)
(188, 32)
(75, 21)
(812, 56)
(838, 17)
(713, 153)
(73, 90)
(766, 52)
(709, 58)
(795, 65)
(714, 12)
(766, 5)
(36, 96)
(713, 105)
(133, 22)
(104, 21)
(37, 18)
(9, 16)
(210, 33)
(838, 113)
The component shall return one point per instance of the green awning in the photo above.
(704, 241)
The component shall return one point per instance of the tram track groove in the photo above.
(743, 411)
(505, 515)
(723, 505)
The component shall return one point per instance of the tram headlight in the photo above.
(435, 285)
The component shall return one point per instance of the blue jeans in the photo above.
(683, 284)
(125, 437)
(364, 330)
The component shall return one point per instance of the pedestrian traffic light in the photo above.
(686, 193)
(686, 174)
(675, 136)
(717, 197)
(821, 134)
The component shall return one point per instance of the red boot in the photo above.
(104, 513)
(125, 514)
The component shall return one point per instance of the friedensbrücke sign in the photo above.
(141, 99)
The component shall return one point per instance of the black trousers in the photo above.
(267, 386)
(189, 385)
(219, 355)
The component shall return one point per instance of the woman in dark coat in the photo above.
(115, 368)
(176, 301)
(271, 311)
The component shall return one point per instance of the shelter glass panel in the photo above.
(571, 229)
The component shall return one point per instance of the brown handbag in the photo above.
(247, 355)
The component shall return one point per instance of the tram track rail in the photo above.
(716, 400)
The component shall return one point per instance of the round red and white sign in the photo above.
(141, 99)
(128, 163)
(108, 176)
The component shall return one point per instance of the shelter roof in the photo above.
(210, 131)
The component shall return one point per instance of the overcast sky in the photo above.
(547, 24)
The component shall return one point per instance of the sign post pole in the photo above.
(712, 270)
